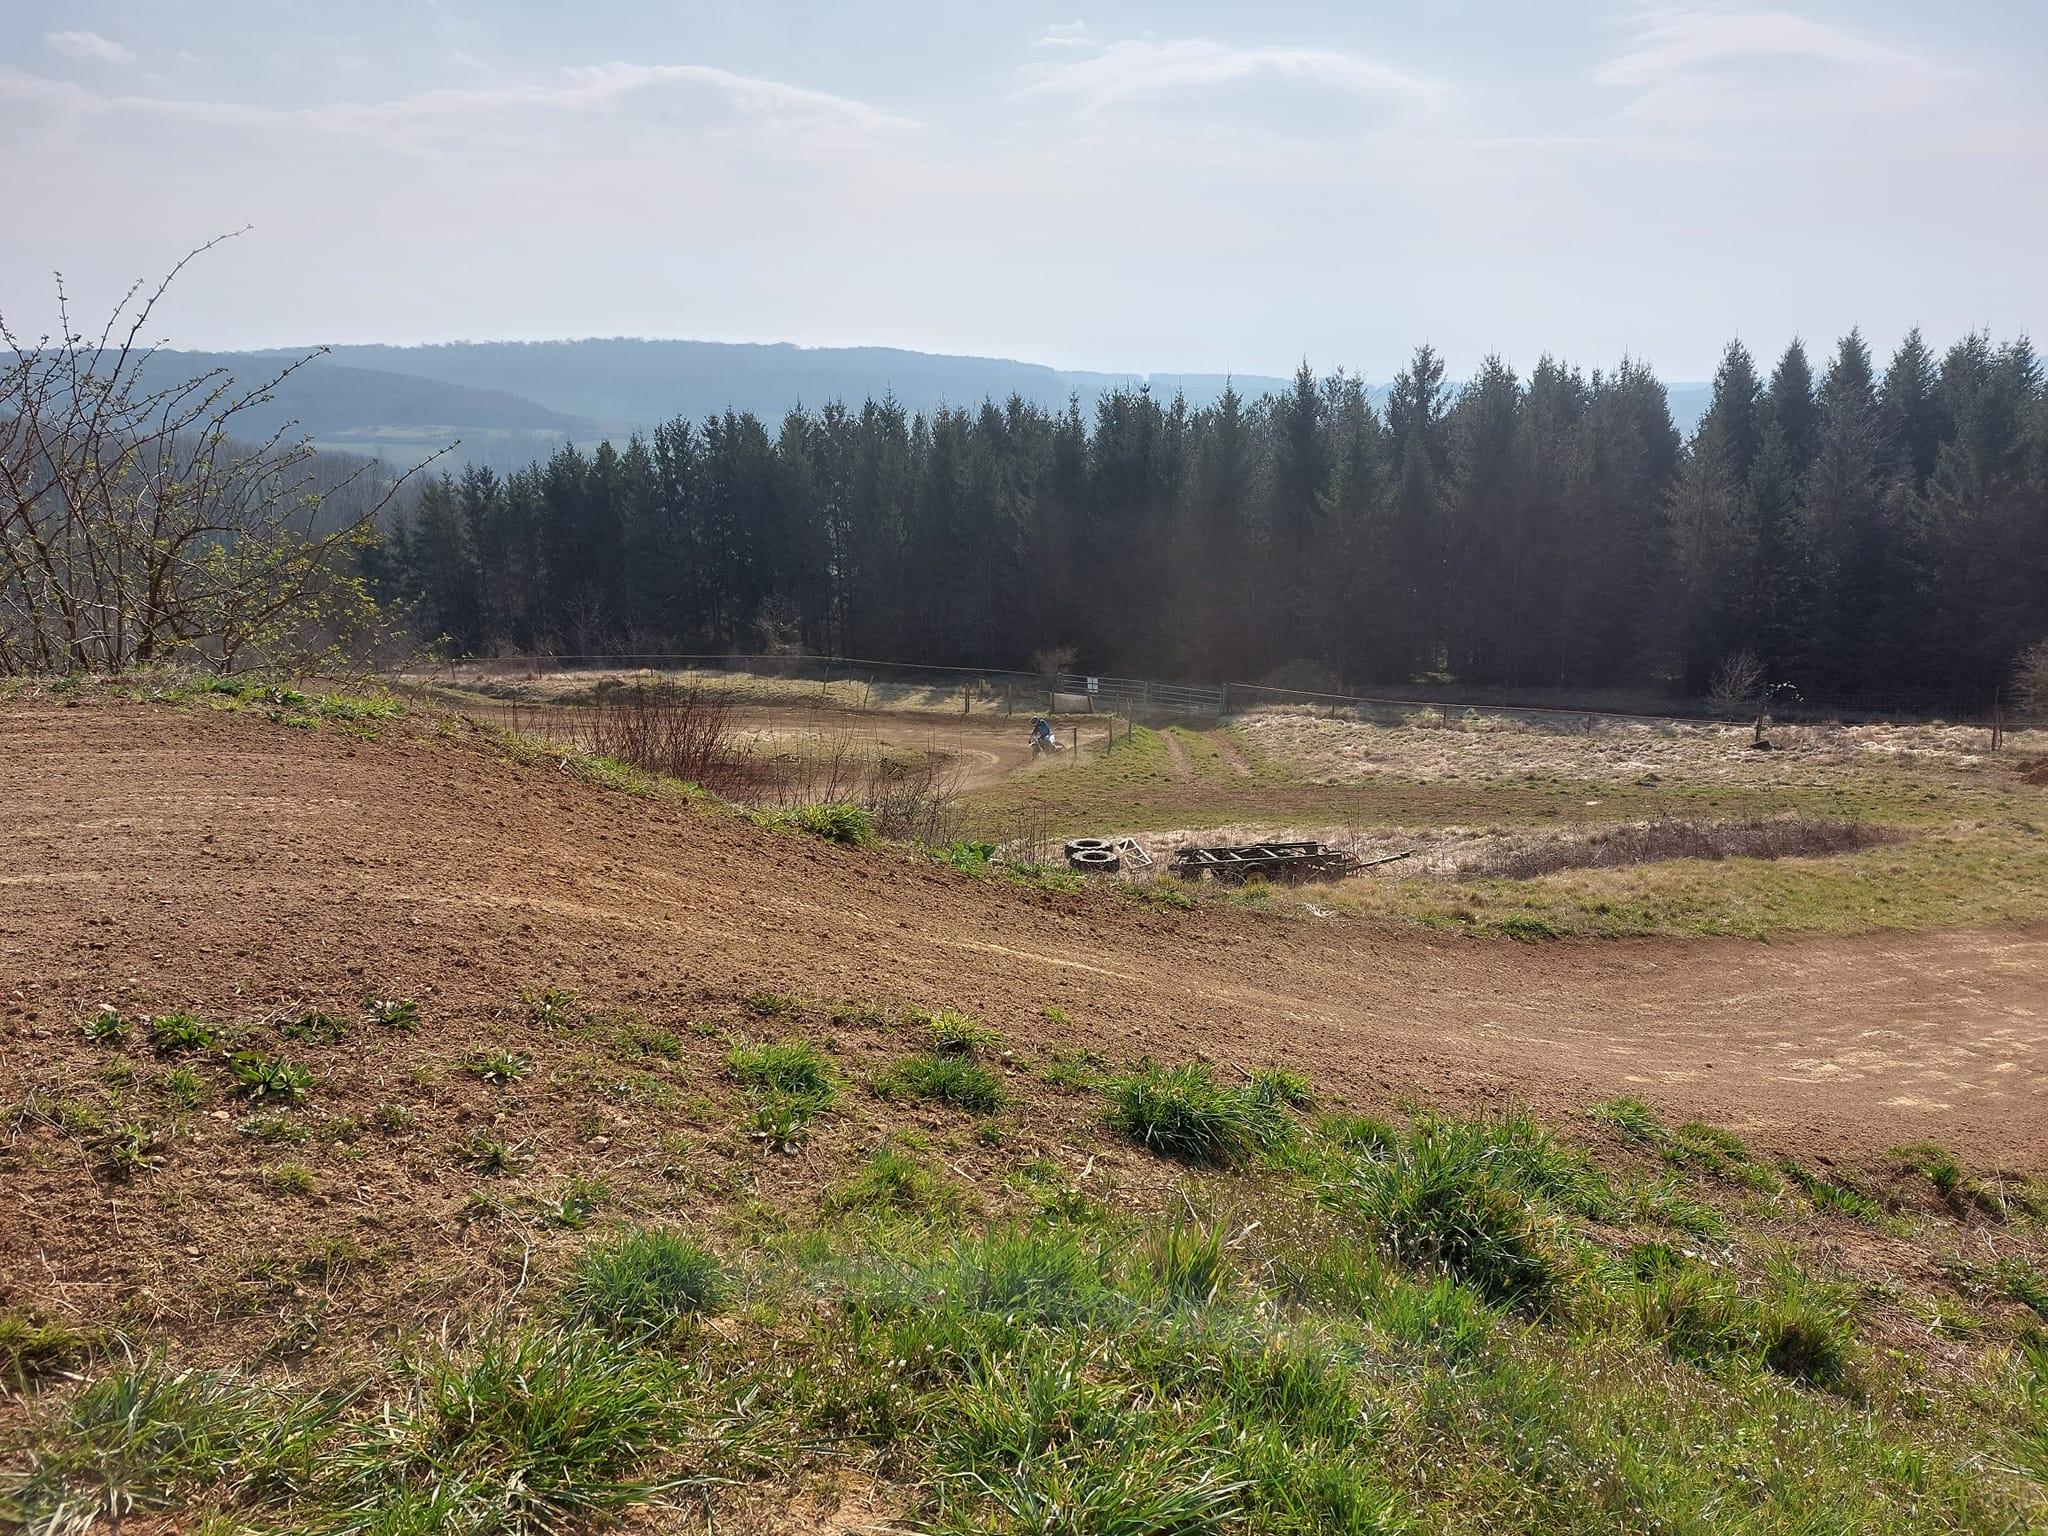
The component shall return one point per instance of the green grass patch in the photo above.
(794, 1067)
(1695, 1146)
(182, 1034)
(1476, 1200)
(1798, 1327)
(892, 1180)
(1184, 1113)
(499, 1067)
(1832, 1196)
(644, 1283)
(1429, 1325)
(538, 1429)
(954, 1034)
(33, 1347)
(951, 1079)
(851, 826)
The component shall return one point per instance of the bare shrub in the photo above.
(1773, 837)
(1049, 661)
(915, 801)
(909, 799)
(1027, 837)
(779, 631)
(1735, 685)
(686, 733)
(146, 517)
(2030, 681)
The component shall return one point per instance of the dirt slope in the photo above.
(201, 859)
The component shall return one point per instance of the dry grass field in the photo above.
(1935, 830)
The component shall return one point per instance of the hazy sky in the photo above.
(1185, 186)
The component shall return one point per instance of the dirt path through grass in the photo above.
(1177, 756)
(1232, 752)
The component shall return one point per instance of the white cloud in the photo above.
(1065, 34)
(1704, 64)
(88, 45)
(1134, 70)
(753, 97)
(600, 108)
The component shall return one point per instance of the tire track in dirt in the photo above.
(1177, 760)
(1232, 753)
(167, 858)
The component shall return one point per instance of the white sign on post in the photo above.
(1092, 685)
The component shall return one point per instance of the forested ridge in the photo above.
(1865, 533)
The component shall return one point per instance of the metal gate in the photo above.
(1134, 694)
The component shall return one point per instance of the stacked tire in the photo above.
(1094, 856)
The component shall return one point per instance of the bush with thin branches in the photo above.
(146, 517)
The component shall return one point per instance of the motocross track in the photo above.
(974, 752)
(226, 862)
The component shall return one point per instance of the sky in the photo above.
(1156, 187)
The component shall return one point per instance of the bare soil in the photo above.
(159, 858)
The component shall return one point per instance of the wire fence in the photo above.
(1147, 697)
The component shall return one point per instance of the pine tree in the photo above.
(442, 556)
(1415, 425)
(1789, 404)
(1483, 521)
(1913, 419)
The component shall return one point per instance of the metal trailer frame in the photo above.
(1271, 861)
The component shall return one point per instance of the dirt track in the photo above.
(228, 862)
(976, 751)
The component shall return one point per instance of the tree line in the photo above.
(1861, 533)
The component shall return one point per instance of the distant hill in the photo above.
(392, 413)
(511, 401)
(635, 383)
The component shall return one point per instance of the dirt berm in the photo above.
(224, 861)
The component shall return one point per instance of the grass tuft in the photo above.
(953, 1080)
(534, 1431)
(644, 1283)
(794, 1067)
(1471, 1198)
(893, 1180)
(32, 1347)
(956, 1034)
(147, 1437)
(1799, 1328)
(850, 825)
(1183, 1112)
